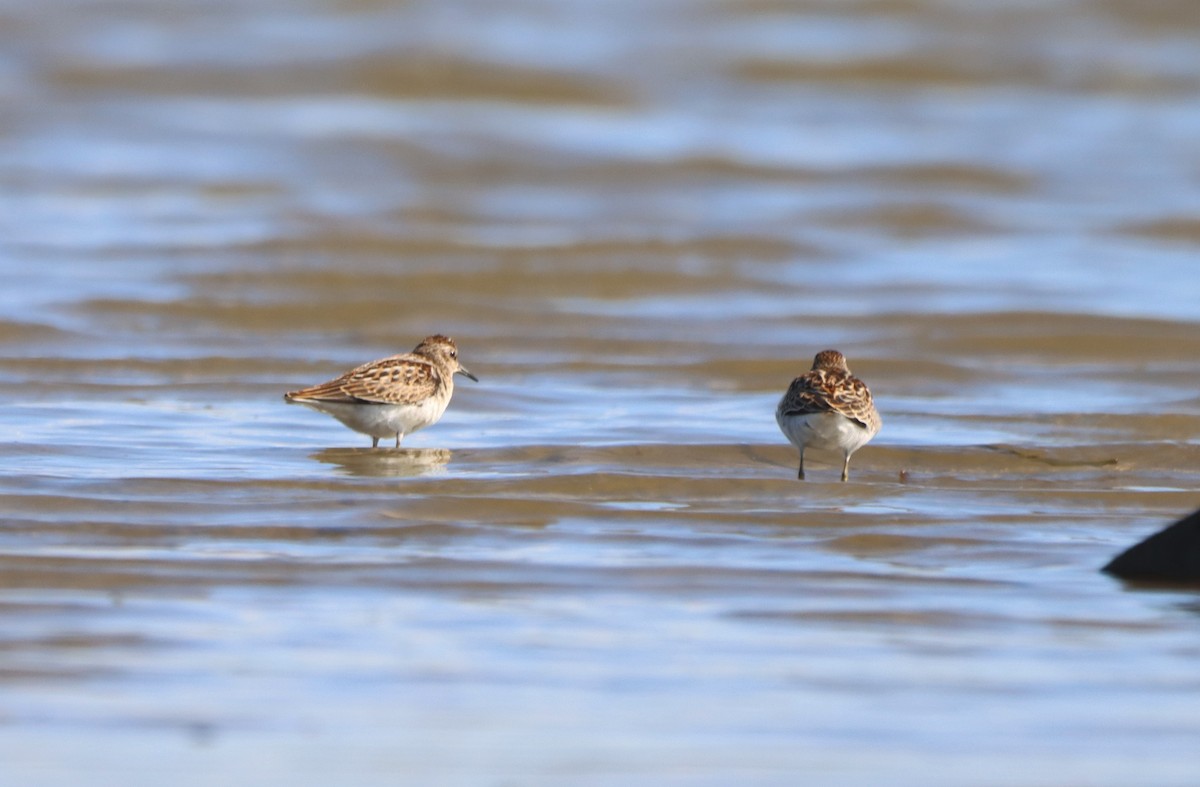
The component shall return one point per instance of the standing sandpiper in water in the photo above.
(392, 396)
(828, 407)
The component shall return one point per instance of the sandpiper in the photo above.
(396, 395)
(828, 407)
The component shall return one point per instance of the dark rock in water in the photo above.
(1170, 555)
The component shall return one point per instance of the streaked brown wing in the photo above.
(807, 394)
(821, 391)
(400, 379)
(854, 401)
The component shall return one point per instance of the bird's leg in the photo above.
(800, 476)
(399, 435)
(374, 442)
(846, 468)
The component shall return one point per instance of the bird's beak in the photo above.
(463, 371)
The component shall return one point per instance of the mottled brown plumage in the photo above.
(394, 395)
(828, 407)
(397, 379)
(830, 387)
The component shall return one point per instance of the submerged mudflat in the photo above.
(599, 567)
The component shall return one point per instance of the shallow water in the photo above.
(639, 221)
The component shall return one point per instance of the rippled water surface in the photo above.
(639, 220)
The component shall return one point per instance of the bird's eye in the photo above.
(454, 353)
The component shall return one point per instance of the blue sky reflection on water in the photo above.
(639, 220)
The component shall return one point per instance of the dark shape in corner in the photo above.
(1170, 555)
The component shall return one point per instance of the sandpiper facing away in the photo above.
(827, 407)
(392, 396)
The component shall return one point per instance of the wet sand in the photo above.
(639, 223)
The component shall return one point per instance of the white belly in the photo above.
(824, 430)
(385, 420)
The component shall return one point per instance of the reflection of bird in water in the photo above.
(393, 396)
(394, 462)
(827, 407)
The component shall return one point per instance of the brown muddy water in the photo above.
(639, 220)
